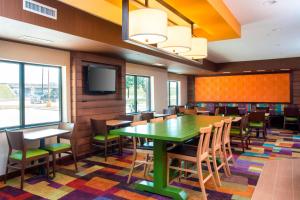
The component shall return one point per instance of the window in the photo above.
(138, 95)
(30, 95)
(173, 93)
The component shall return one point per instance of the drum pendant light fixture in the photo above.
(198, 50)
(148, 25)
(179, 40)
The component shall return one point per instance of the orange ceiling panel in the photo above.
(214, 19)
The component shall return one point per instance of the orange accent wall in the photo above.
(243, 88)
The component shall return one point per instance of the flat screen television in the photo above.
(100, 79)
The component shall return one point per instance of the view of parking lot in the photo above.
(41, 94)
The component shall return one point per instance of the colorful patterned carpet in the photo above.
(101, 180)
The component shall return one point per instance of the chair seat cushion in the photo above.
(102, 137)
(146, 146)
(194, 141)
(187, 150)
(17, 155)
(256, 124)
(235, 131)
(291, 119)
(57, 147)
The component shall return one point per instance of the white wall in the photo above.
(160, 79)
(39, 55)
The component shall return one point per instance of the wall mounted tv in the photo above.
(100, 78)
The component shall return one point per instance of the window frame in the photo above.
(22, 96)
(135, 92)
(169, 92)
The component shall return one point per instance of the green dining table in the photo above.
(173, 130)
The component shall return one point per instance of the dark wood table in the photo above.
(115, 123)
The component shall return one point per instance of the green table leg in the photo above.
(160, 186)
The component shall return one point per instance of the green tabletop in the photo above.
(172, 130)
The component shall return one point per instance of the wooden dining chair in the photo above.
(21, 158)
(171, 117)
(216, 152)
(226, 146)
(232, 111)
(266, 110)
(220, 110)
(155, 120)
(170, 111)
(291, 116)
(190, 112)
(241, 132)
(141, 148)
(196, 155)
(147, 116)
(101, 137)
(257, 121)
(67, 148)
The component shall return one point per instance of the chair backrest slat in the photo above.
(16, 140)
(99, 127)
(140, 141)
(291, 111)
(257, 116)
(203, 145)
(226, 131)
(217, 135)
(69, 127)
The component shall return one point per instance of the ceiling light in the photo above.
(179, 40)
(285, 69)
(275, 29)
(247, 71)
(148, 25)
(199, 49)
(261, 70)
(35, 39)
(226, 72)
(159, 64)
(269, 2)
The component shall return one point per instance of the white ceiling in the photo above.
(268, 31)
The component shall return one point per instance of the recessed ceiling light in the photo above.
(285, 69)
(226, 72)
(276, 29)
(269, 2)
(261, 70)
(247, 71)
(35, 39)
(159, 64)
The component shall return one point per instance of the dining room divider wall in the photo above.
(86, 106)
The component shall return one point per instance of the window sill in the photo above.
(32, 126)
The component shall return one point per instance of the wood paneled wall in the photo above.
(84, 106)
(296, 88)
(191, 89)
